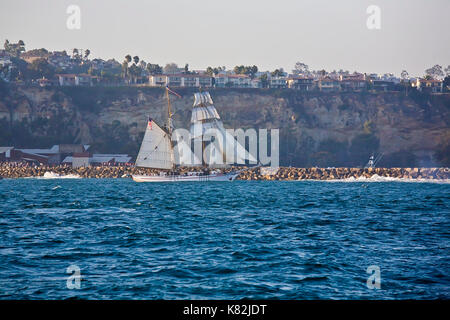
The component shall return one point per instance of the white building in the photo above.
(233, 81)
(181, 80)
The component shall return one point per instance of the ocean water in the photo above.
(246, 239)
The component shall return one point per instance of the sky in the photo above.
(325, 34)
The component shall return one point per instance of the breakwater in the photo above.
(283, 173)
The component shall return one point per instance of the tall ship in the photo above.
(159, 151)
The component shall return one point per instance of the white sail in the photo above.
(205, 119)
(199, 129)
(156, 149)
(202, 98)
(204, 113)
(184, 155)
(233, 151)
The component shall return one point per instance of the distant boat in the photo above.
(158, 152)
(373, 161)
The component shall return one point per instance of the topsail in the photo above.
(205, 120)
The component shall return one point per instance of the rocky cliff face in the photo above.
(335, 129)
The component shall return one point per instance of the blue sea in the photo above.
(245, 239)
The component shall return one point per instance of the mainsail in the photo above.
(156, 148)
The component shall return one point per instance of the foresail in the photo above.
(156, 149)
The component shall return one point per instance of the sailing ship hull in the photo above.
(179, 178)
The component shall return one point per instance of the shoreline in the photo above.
(283, 173)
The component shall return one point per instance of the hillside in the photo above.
(323, 129)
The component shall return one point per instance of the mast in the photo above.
(169, 125)
(203, 140)
(169, 112)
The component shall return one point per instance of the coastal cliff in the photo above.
(316, 129)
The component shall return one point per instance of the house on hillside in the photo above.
(278, 82)
(233, 81)
(353, 82)
(300, 83)
(328, 84)
(76, 79)
(429, 85)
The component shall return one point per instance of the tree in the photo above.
(125, 69)
(87, 52)
(264, 80)
(435, 72)
(135, 72)
(41, 68)
(404, 75)
(446, 83)
(253, 70)
(447, 71)
(171, 68)
(300, 68)
(210, 71)
(142, 64)
(186, 68)
(214, 71)
(405, 80)
(135, 60)
(247, 70)
(154, 68)
(14, 49)
(277, 73)
(368, 127)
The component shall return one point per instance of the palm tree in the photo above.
(125, 66)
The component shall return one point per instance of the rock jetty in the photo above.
(13, 170)
(290, 173)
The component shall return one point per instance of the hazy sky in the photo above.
(330, 34)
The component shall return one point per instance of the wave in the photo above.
(53, 175)
(377, 178)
